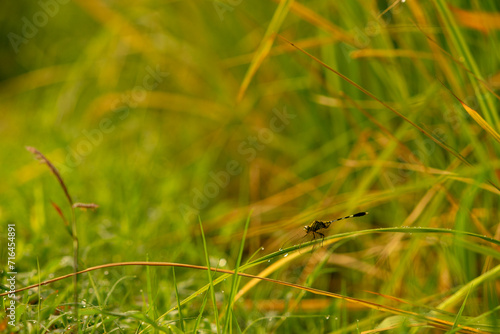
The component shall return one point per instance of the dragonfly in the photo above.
(316, 227)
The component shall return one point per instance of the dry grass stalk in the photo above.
(40, 157)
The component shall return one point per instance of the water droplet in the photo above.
(327, 317)
(285, 255)
(268, 260)
(222, 291)
(262, 248)
(280, 249)
(106, 272)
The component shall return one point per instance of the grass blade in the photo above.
(202, 308)
(455, 327)
(236, 278)
(149, 276)
(265, 45)
(181, 320)
(209, 273)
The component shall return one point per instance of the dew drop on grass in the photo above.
(327, 317)
(280, 249)
(262, 248)
(285, 255)
(268, 260)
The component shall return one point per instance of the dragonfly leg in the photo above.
(322, 237)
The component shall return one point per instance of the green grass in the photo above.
(185, 120)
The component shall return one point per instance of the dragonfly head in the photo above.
(306, 228)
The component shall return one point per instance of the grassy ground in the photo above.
(178, 117)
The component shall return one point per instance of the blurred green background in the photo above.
(140, 106)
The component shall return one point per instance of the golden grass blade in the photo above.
(320, 22)
(265, 45)
(379, 53)
(388, 8)
(478, 20)
(477, 117)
